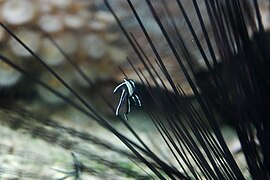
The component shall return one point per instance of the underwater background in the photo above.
(200, 69)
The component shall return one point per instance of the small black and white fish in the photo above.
(128, 89)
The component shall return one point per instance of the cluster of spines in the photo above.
(230, 23)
